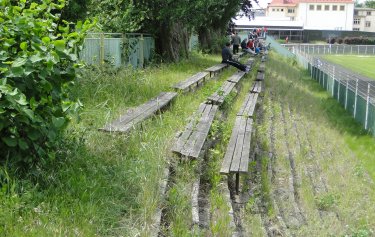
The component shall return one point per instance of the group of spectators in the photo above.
(252, 45)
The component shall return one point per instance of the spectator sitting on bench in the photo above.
(245, 48)
(227, 58)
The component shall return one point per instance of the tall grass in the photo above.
(103, 183)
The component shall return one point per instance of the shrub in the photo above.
(38, 58)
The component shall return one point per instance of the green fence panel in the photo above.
(342, 94)
(148, 48)
(371, 119)
(351, 101)
(91, 51)
(360, 114)
(335, 90)
(112, 51)
(329, 84)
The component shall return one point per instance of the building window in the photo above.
(292, 18)
(278, 9)
(342, 8)
(326, 7)
(357, 21)
(318, 7)
(312, 7)
(273, 9)
(282, 9)
(369, 13)
(368, 23)
(334, 8)
(355, 29)
(355, 12)
(290, 10)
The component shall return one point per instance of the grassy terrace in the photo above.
(363, 65)
(319, 180)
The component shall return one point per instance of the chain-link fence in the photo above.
(117, 49)
(354, 92)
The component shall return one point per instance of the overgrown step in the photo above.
(190, 143)
(191, 82)
(218, 97)
(136, 115)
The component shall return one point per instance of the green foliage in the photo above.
(38, 58)
(326, 202)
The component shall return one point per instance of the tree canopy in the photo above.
(170, 21)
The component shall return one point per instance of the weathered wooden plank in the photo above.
(244, 163)
(218, 97)
(260, 76)
(227, 161)
(262, 67)
(250, 62)
(234, 167)
(203, 129)
(140, 113)
(181, 141)
(235, 78)
(257, 87)
(191, 81)
(198, 131)
(248, 107)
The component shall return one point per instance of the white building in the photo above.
(364, 19)
(315, 14)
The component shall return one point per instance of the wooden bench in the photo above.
(190, 143)
(235, 78)
(263, 58)
(248, 107)
(257, 87)
(260, 76)
(261, 67)
(140, 113)
(238, 55)
(250, 62)
(236, 158)
(193, 81)
(214, 70)
(218, 97)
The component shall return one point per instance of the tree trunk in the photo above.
(172, 43)
(210, 39)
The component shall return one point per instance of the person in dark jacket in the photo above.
(227, 58)
(236, 40)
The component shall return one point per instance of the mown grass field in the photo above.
(318, 182)
(361, 64)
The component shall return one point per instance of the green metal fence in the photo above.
(118, 49)
(354, 92)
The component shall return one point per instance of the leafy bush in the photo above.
(38, 58)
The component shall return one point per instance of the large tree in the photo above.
(170, 21)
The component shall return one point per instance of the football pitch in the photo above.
(361, 64)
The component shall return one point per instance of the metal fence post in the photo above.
(101, 55)
(141, 53)
(367, 104)
(355, 99)
(333, 81)
(338, 89)
(366, 50)
(346, 94)
(351, 49)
